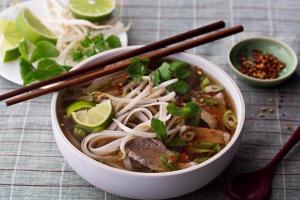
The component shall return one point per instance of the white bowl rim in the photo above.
(272, 39)
(160, 174)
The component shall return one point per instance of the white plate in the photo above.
(10, 71)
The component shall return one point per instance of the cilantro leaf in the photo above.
(101, 46)
(164, 71)
(156, 78)
(190, 111)
(113, 41)
(136, 69)
(159, 128)
(180, 87)
(77, 55)
(90, 52)
(174, 110)
(97, 38)
(177, 65)
(44, 49)
(86, 41)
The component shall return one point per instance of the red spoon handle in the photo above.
(285, 149)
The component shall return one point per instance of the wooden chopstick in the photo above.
(107, 61)
(122, 65)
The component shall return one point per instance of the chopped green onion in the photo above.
(210, 101)
(167, 163)
(206, 145)
(198, 150)
(212, 88)
(205, 81)
(229, 119)
(79, 133)
(201, 159)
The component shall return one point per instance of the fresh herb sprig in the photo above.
(45, 67)
(90, 46)
(175, 69)
(137, 68)
(190, 112)
(161, 133)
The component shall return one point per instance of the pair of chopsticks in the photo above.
(119, 62)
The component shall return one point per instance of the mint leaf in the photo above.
(159, 128)
(136, 69)
(180, 87)
(25, 67)
(183, 73)
(44, 49)
(101, 46)
(46, 68)
(113, 41)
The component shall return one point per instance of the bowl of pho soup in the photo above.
(159, 129)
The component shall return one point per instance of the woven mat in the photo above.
(31, 166)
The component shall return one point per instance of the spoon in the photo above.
(256, 185)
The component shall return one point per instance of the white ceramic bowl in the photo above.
(138, 185)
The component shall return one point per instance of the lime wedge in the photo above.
(9, 40)
(92, 10)
(32, 28)
(6, 25)
(79, 105)
(97, 117)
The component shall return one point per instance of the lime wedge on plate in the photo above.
(97, 117)
(9, 40)
(79, 105)
(92, 10)
(6, 25)
(32, 28)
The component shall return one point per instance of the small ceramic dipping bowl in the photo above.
(267, 45)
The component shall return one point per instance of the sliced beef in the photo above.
(148, 153)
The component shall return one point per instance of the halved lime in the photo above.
(32, 28)
(97, 117)
(79, 105)
(92, 10)
(9, 40)
(6, 25)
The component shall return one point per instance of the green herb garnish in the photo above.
(171, 70)
(44, 49)
(159, 128)
(210, 101)
(90, 46)
(168, 165)
(46, 67)
(176, 142)
(137, 69)
(190, 111)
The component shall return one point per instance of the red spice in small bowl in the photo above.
(261, 65)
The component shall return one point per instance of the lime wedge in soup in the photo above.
(92, 10)
(97, 117)
(10, 39)
(32, 28)
(79, 105)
